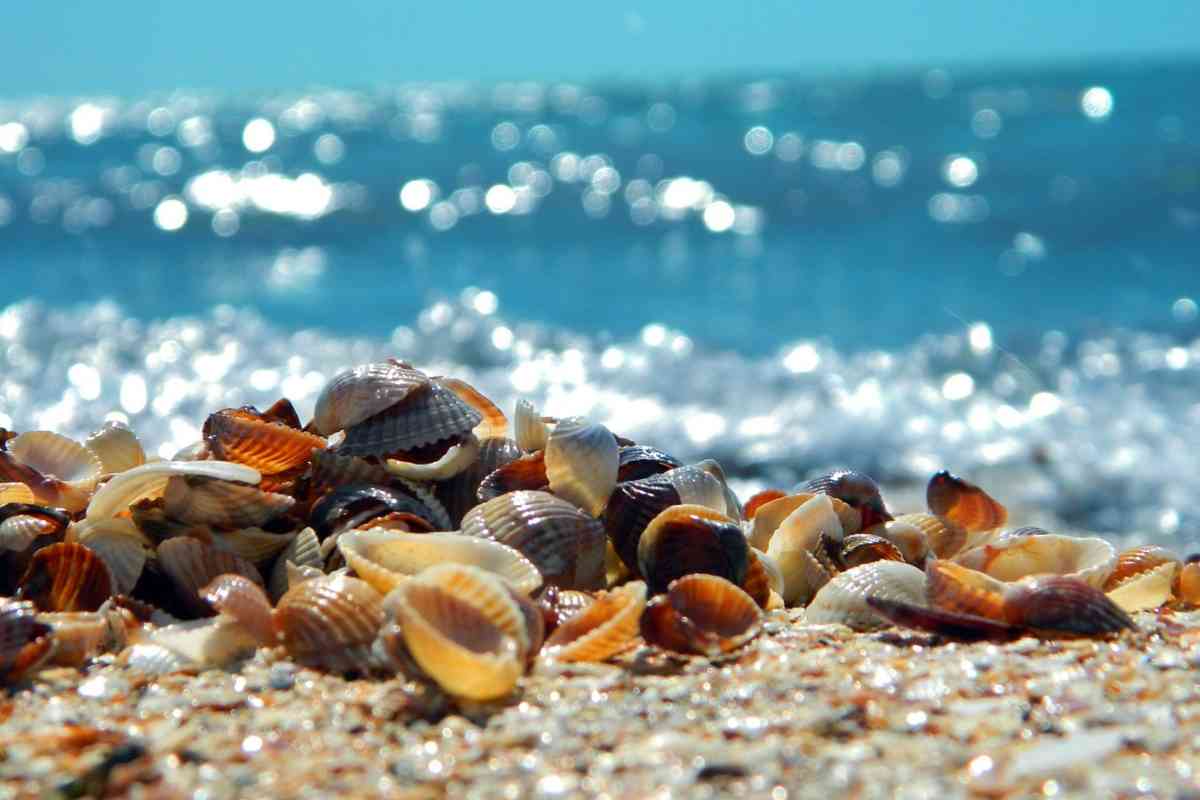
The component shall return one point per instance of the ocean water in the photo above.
(990, 272)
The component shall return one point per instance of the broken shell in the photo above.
(581, 463)
(565, 544)
(460, 456)
(844, 599)
(199, 500)
(190, 646)
(240, 598)
(330, 622)
(857, 490)
(963, 503)
(606, 627)
(702, 614)
(385, 559)
(771, 514)
(529, 429)
(66, 577)
(117, 448)
(494, 424)
(82, 635)
(149, 480)
(794, 544)
(243, 437)
(356, 394)
(191, 564)
(687, 539)
(525, 472)
(1011, 558)
(863, 548)
(943, 538)
(431, 414)
(119, 543)
(639, 461)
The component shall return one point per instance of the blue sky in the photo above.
(74, 47)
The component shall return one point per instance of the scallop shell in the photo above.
(606, 627)
(1011, 558)
(844, 599)
(117, 448)
(243, 437)
(771, 514)
(963, 503)
(330, 622)
(581, 464)
(526, 472)
(794, 543)
(192, 564)
(855, 489)
(356, 394)
(701, 614)
(494, 424)
(385, 559)
(530, 431)
(943, 538)
(240, 598)
(66, 577)
(465, 629)
(433, 414)
(565, 544)
(686, 539)
(120, 544)
(149, 480)
(198, 500)
(459, 457)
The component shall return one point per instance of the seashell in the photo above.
(559, 605)
(364, 391)
(68, 471)
(287, 574)
(581, 464)
(844, 599)
(637, 461)
(385, 559)
(615, 570)
(1134, 562)
(465, 629)
(332, 470)
(943, 538)
(121, 546)
(761, 499)
(953, 587)
(565, 544)
(16, 493)
(81, 635)
(330, 622)
(244, 437)
(283, 412)
(459, 457)
(733, 506)
(794, 543)
(529, 429)
(1011, 558)
(762, 577)
(253, 544)
(857, 490)
(494, 424)
(702, 614)
(963, 503)
(196, 451)
(1146, 590)
(949, 624)
(863, 548)
(117, 448)
(155, 659)
(240, 598)
(432, 414)
(66, 577)
(606, 627)
(149, 480)
(438, 516)
(199, 500)
(769, 516)
(190, 646)
(355, 505)
(907, 538)
(25, 643)
(686, 539)
(525, 472)
(460, 493)
(22, 523)
(192, 564)
(1187, 585)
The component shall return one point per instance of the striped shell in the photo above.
(529, 429)
(242, 599)
(1143, 578)
(686, 539)
(1011, 558)
(149, 480)
(23, 523)
(855, 489)
(494, 424)
(432, 414)
(82, 635)
(59, 471)
(66, 577)
(16, 493)
(191, 564)
(117, 448)
(943, 538)
(606, 627)
(639, 461)
(524, 472)
(581, 463)
(460, 456)
(332, 470)
(863, 548)
(120, 544)
(253, 544)
(963, 503)
(246, 438)
(302, 552)
(461, 493)
(701, 614)
(25, 643)
(356, 394)
(199, 500)
(330, 622)
(844, 599)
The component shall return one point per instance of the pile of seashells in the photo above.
(410, 528)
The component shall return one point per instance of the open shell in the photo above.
(149, 481)
(1011, 558)
(66, 577)
(863, 548)
(963, 503)
(330, 622)
(117, 447)
(687, 539)
(701, 614)
(55, 455)
(16, 493)
(494, 424)
(25, 643)
(581, 463)
(844, 599)
(1143, 578)
(606, 627)
(246, 438)
(795, 542)
(771, 514)
(82, 635)
(21, 524)
(460, 456)
(356, 394)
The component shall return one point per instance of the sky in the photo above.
(71, 47)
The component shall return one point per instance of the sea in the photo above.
(994, 271)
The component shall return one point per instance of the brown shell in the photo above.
(330, 621)
(944, 537)
(761, 499)
(757, 582)
(863, 548)
(525, 472)
(196, 500)
(559, 605)
(332, 470)
(1137, 561)
(963, 503)
(701, 614)
(1061, 604)
(430, 415)
(191, 564)
(857, 490)
(22, 523)
(685, 539)
(356, 394)
(951, 587)
(25, 643)
(639, 461)
(631, 507)
(66, 577)
(494, 424)
(246, 438)
(606, 627)
(461, 493)
(241, 598)
(1187, 585)
(564, 543)
(82, 635)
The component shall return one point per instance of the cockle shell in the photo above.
(119, 543)
(525, 472)
(762, 577)
(66, 577)
(494, 424)
(759, 500)
(943, 538)
(332, 470)
(559, 605)
(606, 627)
(794, 543)
(25, 643)
(253, 544)
(192, 564)
(82, 635)
(733, 506)
(863, 548)
(149, 480)
(272, 448)
(356, 394)
(60, 471)
(385, 559)
(1011, 558)
(844, 598)
(199, 500)
(242, 599)
(460, 456)
(529, 429)
(1143, 578)
(355, 505)
(565, 544)
(639, 461)
(1187, 587)
(771, 514)
(581, 463)
(857, 490)
(461, 493)
(117, 448)
(702, 614)
(22, 523)
(428, 415)
(330, 622)
(685, 539)
(963, 503)
(303, 552)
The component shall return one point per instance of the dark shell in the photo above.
(461, 493)
(494, 424)
(25, 643)
(58, 517)
(687, 539)
(559, 605)
(191, 565)
(863, 548)
(352, 506)
(757, 582)
(630, 509)
(951, 624)
(66, 577)
(702, 614)
(963, 503)
(283, 412)
(639, 461)
(429, 415)
(1062, 604)
(527, 472)
(331, 470)
(856, 490)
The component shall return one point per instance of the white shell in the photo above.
(1151, 589)
(844, 599)
(1010, 558)
(119, 544)
(58, 457)
(456, 459)
(302, 552)
(198, 644)
(793, 543)
(221, 504)
(697, 487)
(149, 480)
(529, 431)
(117, 448)
(582, 459)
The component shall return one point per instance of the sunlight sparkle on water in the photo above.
(258, 135)
(170, 214)
(1096, 102)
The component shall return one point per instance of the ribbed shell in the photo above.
(66, 577)
(253, 544)
(701, 614)
(761, 499)
(963, 503)
(559, 605)
(603, 629)
(863, 548)
(117, 447)
(685, 539)
(304, 550)
(193, 645)
(330, 621)
(270, 447)
(18, 531)
(581, 463)
(355, 505)
(525, 472)
(221, 504)
(494, 424)
(1138, 560)
(844, 599)
(331, 470)
(857, 490)
(952, 587)
(16, 493)
(149, 480)
(191, 564)
(943, 538)
(564, 543)
(385, 559)
(794, 543)
(1011, 558)
(120, 544)
(240, 598)
(356, 394)
(639, 461)
(54, 455)
(433, 414)
(530, 432)
(1148, 589)
(460, 494)
(1062, 604)
(82, 635)
(771, 514)
(461, 455)
(18, 629)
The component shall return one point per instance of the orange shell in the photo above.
(1188, 584)
(241, 598)
(526, 472)
(758, 500)
(757, 582)
(330, 621)
(951, 587)
(270, 447)
(494, 424)
(1137, 561)
(66, 577)
(701, 614)
(601, 630)
(963, 503)
(863, 548)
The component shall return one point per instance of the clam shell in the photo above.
(192, 564)
(581, 464)
(119, 544)
(433, 414)
(526, 472)
(771, 514)
(149, 480)
(355, 505)
(270, 447)
(1148, 589)
(963, 503)
(16, 493)
(240, 598)
(460, 494)
(356, 394)
(385, 559)
(686, 539)
(943, 538)
(701, 614)
(529, 430)
(795, 541)
(855, 489)
(465, 630)
(639, 461)
(1062, 604)
(606, 627)
(117, 448)
(1011, 558)
(459, 457)
(66, 577)
(863, 548)
(565, 544)
(199, 500)
(844, 599)
(332, 470)
(330, 621)
(494, 425)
